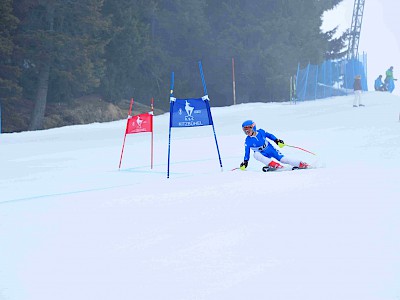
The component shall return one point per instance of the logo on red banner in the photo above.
(139, 123)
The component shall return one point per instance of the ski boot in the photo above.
(272, 166)
(302, 165)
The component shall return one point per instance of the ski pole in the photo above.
(300, 149)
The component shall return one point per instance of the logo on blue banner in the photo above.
(190, 113)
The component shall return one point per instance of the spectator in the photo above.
(379, 85)
(357, 91)
(389, 80)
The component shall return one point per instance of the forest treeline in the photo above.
(53, 51)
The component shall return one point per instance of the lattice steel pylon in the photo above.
(355, 31)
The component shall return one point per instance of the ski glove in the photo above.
(244, 164)
(280, 143)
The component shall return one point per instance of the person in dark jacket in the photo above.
(357, 91)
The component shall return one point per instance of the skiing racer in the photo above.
(257, 140)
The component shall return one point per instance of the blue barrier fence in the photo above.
(331, 78)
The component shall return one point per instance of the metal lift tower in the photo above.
(355, 31)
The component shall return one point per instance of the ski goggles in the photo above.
(248, 129)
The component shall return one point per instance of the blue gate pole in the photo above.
(366, 68)
(209, 111)
(345, 76)
(171, 105)
(316, 83)
(305, 88)
(330, 78)
(324, 74)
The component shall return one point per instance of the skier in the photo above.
(256, 140)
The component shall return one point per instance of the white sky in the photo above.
(74, 227)
(380, 34)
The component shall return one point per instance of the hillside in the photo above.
(85, 110)
(75, 227)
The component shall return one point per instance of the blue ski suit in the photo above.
(259, 143)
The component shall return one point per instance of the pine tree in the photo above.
(9, 73)
(62, 43)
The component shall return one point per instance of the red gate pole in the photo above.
(152, 136)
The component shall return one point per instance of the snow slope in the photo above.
(73, 226)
